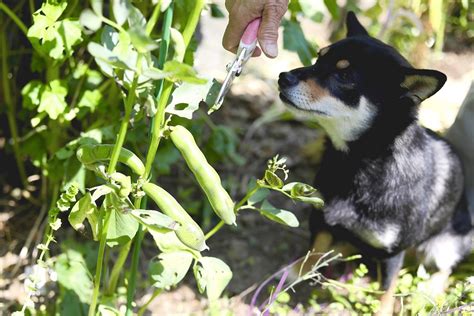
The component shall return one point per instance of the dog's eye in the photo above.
(345, 80)
(342, 76)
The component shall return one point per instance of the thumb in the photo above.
(272, 14)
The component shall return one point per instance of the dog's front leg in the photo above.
(390, 268)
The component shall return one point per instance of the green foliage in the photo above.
(212, 275)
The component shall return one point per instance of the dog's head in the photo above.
(353, 82)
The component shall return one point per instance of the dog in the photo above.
(388, 184)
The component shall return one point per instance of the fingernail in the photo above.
(271, 49)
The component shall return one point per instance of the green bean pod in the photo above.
(205, 174)
(90, 154)
(189, 232)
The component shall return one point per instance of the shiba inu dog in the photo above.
(388, 183)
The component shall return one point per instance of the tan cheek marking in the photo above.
(323, 51)
(342, 64)
(315, 90)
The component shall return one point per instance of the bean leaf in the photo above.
(141, 41)
(168, 269)
(333, 8)
(187, 97)
(258, 196)
(90, 20)
(97, 6)
(121, 9)
(273, 180)
(278, 215)
(212, 275)
(122, 226)
(294, 40)
(81, 210)
(71, 269)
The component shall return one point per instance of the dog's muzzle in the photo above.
(286, 81)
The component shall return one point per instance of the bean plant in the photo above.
(141, 54)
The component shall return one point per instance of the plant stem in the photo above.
(192, 22)
(142, 309)
(158, 121)
(114, 275)
(123, 126)
(100, 262)
(112, 24)
(214, 230)
(111, 169)
(133, 271)
(153, 19)
(11, 110)
(164, 89)
(154, 141)
(14, 17)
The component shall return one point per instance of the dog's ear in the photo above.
(421, 83)
(354, 28)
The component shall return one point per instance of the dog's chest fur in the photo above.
(395, 196)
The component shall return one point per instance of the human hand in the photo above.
(242, 12)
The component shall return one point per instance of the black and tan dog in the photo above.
(388, 183)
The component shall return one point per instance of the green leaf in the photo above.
(153, 220)
(51, 37)
(211, 97)
(273, 180)
(186, 98)
(101, 53)
(100, 191)
(216, 11)
(258, 196)
(121, 9)
(154, 73)
(136, 18)
(90, 20)
(80, 210)
(141, 41)
(311, 10)
(294, 40)
(178, 44)
(105, 310)
(53, 9)
(31, 94)
(168, 269)
(93, 219)
(97, 6)
(333, 8)
(72, 274)
(212, 275)
(90, 99)
(122, 226)
(278, 215)
(182, 72)
(71, 35)
(53, 99)
(109, 37)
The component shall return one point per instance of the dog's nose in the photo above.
(287, 80)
